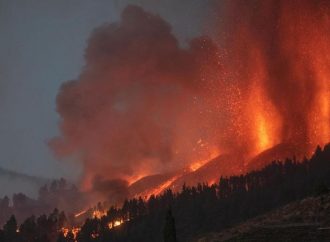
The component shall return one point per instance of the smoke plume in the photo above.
(144, 105)
(136, 107)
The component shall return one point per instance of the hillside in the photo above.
(304, 220)
(15, 182)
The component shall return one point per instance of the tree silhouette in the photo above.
(199, 209)
(28, 229)
(169, 228)
(10, 229)
(61, 238)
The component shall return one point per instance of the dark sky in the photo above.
(42, 45)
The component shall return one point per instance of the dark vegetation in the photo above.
(302, 220)
(58, 194)
(197, 210)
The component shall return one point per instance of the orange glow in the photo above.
(115, 223)
(80, 213)
(197, 164)
(212, 182)
(65, 231)
(161, 188)
(99, 214)
(74, 231)
(263, 81)
(264, 121)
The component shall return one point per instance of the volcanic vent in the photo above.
(151, 114)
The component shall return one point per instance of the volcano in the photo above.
(143, 186)
(144, 105)
(224, 165)
(279, 152)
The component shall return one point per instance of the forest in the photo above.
(196, 210)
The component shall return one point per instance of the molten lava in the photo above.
(144, 107)
(212, 153)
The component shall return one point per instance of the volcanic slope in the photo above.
(304, 220)
(224, 165)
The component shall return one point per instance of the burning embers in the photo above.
(114, 220)
(115, 223)
(143, 105)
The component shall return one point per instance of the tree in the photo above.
(28, 229)
(10, 229)
(70, 237)
(169, 229)
(321, 189)
(61, 238)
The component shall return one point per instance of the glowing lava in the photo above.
(214, 152)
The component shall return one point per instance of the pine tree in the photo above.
(61, 238)
(169, 229)
(10, 229)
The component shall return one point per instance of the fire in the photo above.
(262, 82)
(281, 72)
(65, 231)
(99, 214)
(116, 223)
(74, 231)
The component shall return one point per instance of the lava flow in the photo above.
(147, 111)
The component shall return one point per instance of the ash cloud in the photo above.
(114, 191)
(144, 105)
(132, 111)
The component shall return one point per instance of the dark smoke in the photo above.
(114, 191)
(136, 109)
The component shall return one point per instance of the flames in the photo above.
(99, 214)
(276, 57)
(142, 109)
(95, 214)
(116, 223)
(73, 230)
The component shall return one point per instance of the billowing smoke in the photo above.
(113, 191)
(136, 109)
(145, 105)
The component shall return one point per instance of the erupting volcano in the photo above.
(148, 113)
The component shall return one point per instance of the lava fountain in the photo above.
(144, 105)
